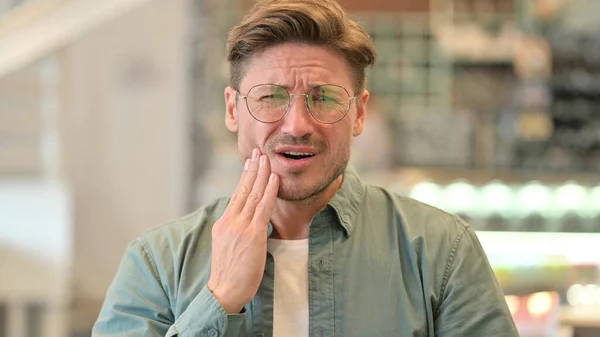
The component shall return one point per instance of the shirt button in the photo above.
(212, 333)
(321, 264)
(260, 334)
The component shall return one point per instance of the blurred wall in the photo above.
(125, 134)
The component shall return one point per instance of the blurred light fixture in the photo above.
(570, 197)
(461, 197)
(583, 295)
(533, 198)
(496, 197)
(539, 304)
(574, 294)
(593, 205)
(427, 192)
(595, 293)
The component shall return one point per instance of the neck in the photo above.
(291, 219)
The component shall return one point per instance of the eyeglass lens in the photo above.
(269, 102)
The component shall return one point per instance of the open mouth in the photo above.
(296, 155)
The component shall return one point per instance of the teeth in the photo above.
(298, 153)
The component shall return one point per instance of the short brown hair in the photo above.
(317, 22)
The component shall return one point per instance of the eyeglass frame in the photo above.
(289, 104)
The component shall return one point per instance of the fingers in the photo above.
(239, 197)
(234, 195)
(260, 184)
(264, 209)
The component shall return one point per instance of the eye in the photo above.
(272, 97)
(325, 99)
(321, 98)
(266, 97)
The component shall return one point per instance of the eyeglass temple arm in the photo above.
(240, 95)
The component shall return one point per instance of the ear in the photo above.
(361, 112)
(231, 119)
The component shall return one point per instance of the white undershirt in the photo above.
(290, 303)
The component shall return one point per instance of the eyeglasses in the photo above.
(268, 103)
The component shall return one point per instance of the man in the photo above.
(303, 247)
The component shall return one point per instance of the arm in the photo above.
(471, 301)
(137, 305)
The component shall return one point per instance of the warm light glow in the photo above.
(513, 303)
(539, 304)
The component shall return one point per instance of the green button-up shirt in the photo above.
(378, 265)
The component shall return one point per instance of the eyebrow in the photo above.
(310, 85)
(287, 87)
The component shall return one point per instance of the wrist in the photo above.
(230, 305)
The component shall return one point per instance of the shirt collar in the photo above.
(345, 202)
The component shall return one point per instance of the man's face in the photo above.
(298, 68)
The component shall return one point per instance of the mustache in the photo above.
(287, 139)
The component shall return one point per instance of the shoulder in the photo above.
(437, 240)
(416, 219)
(178, 235)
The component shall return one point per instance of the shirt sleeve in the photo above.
(136, 304)
(472, 302)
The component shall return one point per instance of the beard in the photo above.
(305, 185)
(295, 188)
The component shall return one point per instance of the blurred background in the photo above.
(112, 122)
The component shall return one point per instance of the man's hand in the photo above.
(239, 237)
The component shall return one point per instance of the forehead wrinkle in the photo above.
(291, 78)
(281, 59)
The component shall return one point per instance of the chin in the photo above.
(297, 187)
(293, 194)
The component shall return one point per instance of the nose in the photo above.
(298, 120)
